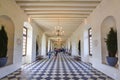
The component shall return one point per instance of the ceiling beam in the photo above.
(59, 14)
(61, 0)
(58, 7)
(49, 13)
(40, 1)
(67, 17)
(54, 8)
(56, 4)
(57, 11)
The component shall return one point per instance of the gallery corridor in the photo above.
(62, 67)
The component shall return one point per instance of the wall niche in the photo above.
(108, 22)
(9, 28)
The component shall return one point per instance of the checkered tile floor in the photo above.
(62, 67)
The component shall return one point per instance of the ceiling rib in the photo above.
(58, 7)
(58, 11)
(54, 1)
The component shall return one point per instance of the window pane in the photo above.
(24, 37)
(24, 31)
(24, 40)
(90, 41)
(23, 53)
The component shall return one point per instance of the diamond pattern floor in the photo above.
(62, 67)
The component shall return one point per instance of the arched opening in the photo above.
(9, 28)
(108, 22)
(70, 48)
(79, 47)
(36, 48)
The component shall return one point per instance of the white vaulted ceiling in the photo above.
(71, 13)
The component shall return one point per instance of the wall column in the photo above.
(68, 43)
(43, 45)
(74, 47)
(49, 45)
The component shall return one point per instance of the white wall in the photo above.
(85, 56)
(36, 32)
(68, 45)
(51, 45)
(81, 34)
(43, 45)
(74, 44)
(10, 9)
(106, 8)
(13, 11)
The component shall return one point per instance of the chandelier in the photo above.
(58, 30)
(58, 41)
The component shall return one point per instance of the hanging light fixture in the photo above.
(58, 41)
(58, 30)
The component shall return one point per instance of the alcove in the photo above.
(9, 28)
(108, 22)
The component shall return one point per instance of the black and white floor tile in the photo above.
(62, 67)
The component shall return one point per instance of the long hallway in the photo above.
(62, 67)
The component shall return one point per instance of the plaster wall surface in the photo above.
(18, 17)
(104, 9)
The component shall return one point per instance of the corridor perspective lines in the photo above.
(62, 67)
